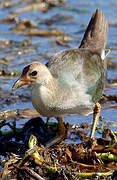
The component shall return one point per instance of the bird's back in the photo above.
(79, 67)
(84, 67)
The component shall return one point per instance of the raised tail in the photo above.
(96, 34)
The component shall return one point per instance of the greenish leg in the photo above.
(96, 115)
(47, 120)
(60, 135)
(61, 127)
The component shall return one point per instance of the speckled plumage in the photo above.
(72, 88)
(89, 72)
(73, 80)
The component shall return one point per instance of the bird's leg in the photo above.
(47, 120)
(60, 135)
(96, 115)
(61, 128)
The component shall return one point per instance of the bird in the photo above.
(72, 82)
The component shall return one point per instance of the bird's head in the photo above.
(34, 73)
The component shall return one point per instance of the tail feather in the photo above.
(96, 33)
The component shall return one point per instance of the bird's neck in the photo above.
(47, 82)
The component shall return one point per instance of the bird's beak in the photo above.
(20, 82)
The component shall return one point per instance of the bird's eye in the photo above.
(34, 73)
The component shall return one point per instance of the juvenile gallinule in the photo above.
(73, 80)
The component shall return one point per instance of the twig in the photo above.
(33, 174)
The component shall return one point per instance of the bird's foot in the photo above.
(57, 139)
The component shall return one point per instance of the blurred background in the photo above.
(34, 31)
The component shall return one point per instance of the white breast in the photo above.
(42, 98)
(48, 104)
